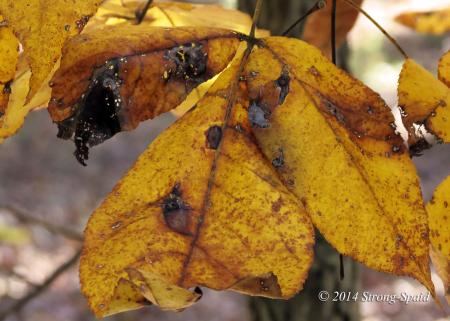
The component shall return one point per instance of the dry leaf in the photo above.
(177, 14)
(444, 68)
(424, 100)
(9, 52)
(38, 22)
(168, 63)
(439, 220)
(317, 29)
(434, 22)
(209, 211)
(331, 140)
(17, 108)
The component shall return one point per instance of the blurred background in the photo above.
(46, 198)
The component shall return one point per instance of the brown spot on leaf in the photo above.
(276, 206)
(176, 211)
(278, 161)
(7, 87)
(283, 83)
(213, 136)
(264, 285)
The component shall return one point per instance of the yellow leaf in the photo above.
(109, 90)
(424, 100)
(317, 29)
(201, 206)
(444, 68)
(17, 108)
(9, 52)
(331, 140)
(434, 22)
(42, 26)
(439, 221)
(176, 14)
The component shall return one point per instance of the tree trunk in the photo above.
(277, 16)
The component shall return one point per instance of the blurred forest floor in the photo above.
(39, 176)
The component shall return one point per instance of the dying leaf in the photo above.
(17, 108)
(150, 71)
(317, 29)
(42, 26)
(434, 22)
(177, 14)
(444, 68)
(9, 53)
(424, 100)
(202, 206)
(439, 221)
(332, 142)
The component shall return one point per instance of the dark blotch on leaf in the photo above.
(176, 211)
(213, 136)
(190, 60)
(278, 161)
(258, 115)
(283, 83)
(416, 149)
(7, 87)
(95, 119)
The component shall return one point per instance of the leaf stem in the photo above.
(333, 59)
(391, 39)
(317, 6)
(140, 14)
(333, 32)
(256, 15)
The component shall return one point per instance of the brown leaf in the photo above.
(425, 101)
(317, 29)
(38, 22)
(9, 53)
(434, 22)
(150, 71)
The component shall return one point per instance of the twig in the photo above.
(318, 5)
(256, 15)
(21, 303)
(333, 32)
(57, 229)
(140, 14)
(354, 5)
(19, 276)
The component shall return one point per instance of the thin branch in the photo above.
(256, 15)
(167, 16)
(392, 40)
(57, 229)
(333, 32)
(21, 303)
(140, 14)
(317, 6)
(12, 273)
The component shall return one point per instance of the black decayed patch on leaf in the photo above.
(96, 118)
(7, 87)
(278, 161)
(213, 136)
(416, 149)
(176, 211)
(283, 83)
(190, 60)
(258, 115)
